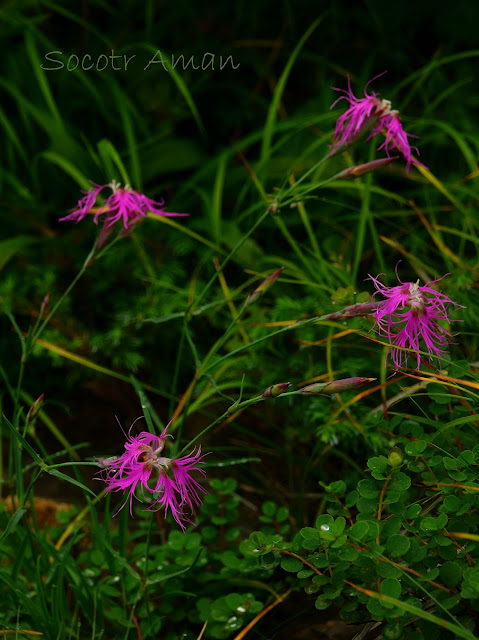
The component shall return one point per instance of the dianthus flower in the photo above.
(168, 481)
(376, 114)
(122, 204)
(411, 312)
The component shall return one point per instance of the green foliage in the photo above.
(166, 583)
(402, 534)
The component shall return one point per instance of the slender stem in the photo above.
(70, 464)
(18, 390)
(147, 553)
(360, 309)
(300, 323)
(26, 347)
(238, 246)
(37, 331)
(237, 406)
(16, 393)
(306, 174)
(201, 367)
(222, 339)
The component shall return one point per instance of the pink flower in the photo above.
(122, 204)
(167, 482)
(372, 113)
(409, 313)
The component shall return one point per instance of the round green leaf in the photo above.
(348, 553)
(338, 487)
(391, 587)
(269, 508)
(351, 499)
(398, 545)
(324, 519)
(393, 631)
(452, 463)
(322, 604)
(391, 497)
(359, 530)
(391, 526)
(338, 526)
(268, 561)
(386, 570)
(459, 476)
(399, 482)
(428, 524)
(441, 521)
(232, 534)
(310, 533)
(339, 542)
(377, 610)
(305, 573)
(450, 573)
(282, 514)
(413, 511)
(230, 559)
(378, 465)
(368, 489)
(451, 503)
(415, 448)
(234, 600)
(367, 506)
(466, 457)
(258, 539)
(293, 565)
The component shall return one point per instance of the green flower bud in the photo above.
(395, 457)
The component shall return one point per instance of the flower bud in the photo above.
(395, 457)
(34, 409)
(275, 390)
(44, 304)
(335, 386)
(264, 286)
(353, 310)
(358, 170)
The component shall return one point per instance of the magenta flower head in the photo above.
(165, 482)
(123, 204)
(410, 314)
(376, 116)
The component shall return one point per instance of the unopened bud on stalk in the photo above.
(335, 386)
(275, 390)
(358, 170)
(264, 286)
(34, 409)
(353, 310)
(44, 304)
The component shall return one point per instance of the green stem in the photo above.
(70, 464)
(37, 331)
(238, 246)
(293, 188)
(311, 268)
(297, 325)
(221, 340)
(234, 407)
